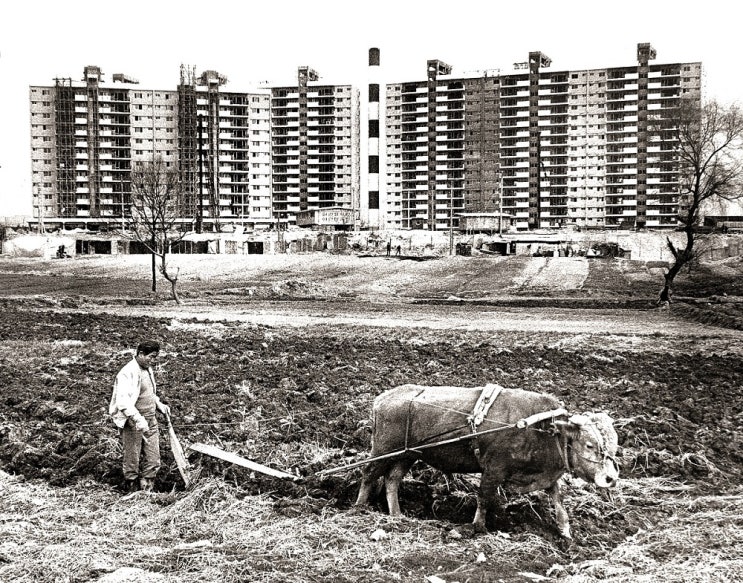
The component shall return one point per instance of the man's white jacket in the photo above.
(126, 393)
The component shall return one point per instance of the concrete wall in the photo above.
(37, 246)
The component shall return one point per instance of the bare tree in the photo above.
(710, 155)
(154, 206)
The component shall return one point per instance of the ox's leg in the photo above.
(561, 515)
(486, 496)
(369, 478)
(479, 521)
(392, 484)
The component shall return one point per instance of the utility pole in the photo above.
(500, 203)
(451, 220)
(41, 228)
(121, 194)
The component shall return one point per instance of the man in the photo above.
(133, 406)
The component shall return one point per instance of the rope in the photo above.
(465, 414)
(298, 414)
(292, 413)
(320, 410)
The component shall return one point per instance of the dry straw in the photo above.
(214, 533)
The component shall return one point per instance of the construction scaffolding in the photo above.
(188, 147)
(212, 80)
(481, 138)
(64, 124)
(92, 76)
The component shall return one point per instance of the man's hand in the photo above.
(164, 409)
(140, 423)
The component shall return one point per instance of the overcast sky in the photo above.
(255, 41)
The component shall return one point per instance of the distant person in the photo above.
(134, 403)
(397, 251)
(389, 248)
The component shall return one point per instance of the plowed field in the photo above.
(279, 362)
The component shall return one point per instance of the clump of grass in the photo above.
(683, 538)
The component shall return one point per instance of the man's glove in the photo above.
(140, 423)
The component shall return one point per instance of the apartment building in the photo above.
(441, 149)
(545, 148)
(588, 147)
(549, 149)
(252, 159)
(315, 147)
(224, 153)
(86, 136)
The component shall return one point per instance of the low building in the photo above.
(333, 219)
(485, 222)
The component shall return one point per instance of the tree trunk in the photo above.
(173, 279)
(154, 274)
(666, 292)
(681, 258)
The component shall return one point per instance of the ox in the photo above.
(437, 421)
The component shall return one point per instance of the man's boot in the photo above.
(146, 484)
(131, 485)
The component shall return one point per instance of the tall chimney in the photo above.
(375, 130)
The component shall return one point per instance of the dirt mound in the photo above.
(723, 312)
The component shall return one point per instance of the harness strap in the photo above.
(562, 448)
(410, 416)
(486, 399)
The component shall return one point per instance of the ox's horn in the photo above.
(562, 425)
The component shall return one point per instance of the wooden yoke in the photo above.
(537, 417)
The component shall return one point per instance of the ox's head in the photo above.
(591, 447)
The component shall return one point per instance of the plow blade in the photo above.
(213, 451)
(180, 458)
